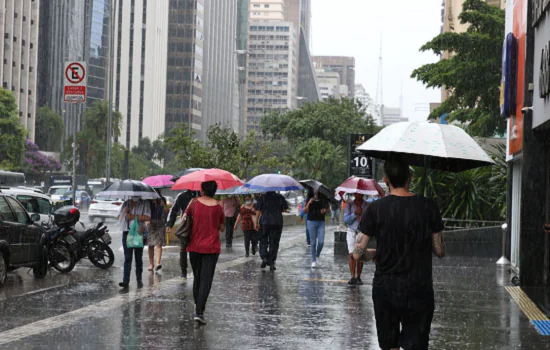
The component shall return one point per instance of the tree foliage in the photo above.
(331, 120)
(48, 130)
(12, 133)
(37, 162)
(472, 72)
(152, 151)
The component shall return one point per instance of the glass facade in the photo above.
(184, 75)
(97, 33)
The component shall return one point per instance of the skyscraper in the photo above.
(344, 66)
(305, 20)
(70, 30)
(139, 93)
(19, 25)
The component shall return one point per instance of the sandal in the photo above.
(150, 269)
(158, 267)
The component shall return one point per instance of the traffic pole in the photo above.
(74, 161)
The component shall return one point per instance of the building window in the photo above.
(23, 42)
(14, 39)
(6, 35)
(13, 64)
(22, 66)
(5, 85)
(20, 113)
(21, 90)
(30, 92)
(256, 5)
(29, 115)
(32, 22)
(15, 15)
(266, 6)
(24, 18)
(32, 46)
(31, 69)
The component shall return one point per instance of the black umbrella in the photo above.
(314, 185)
(185, 172)
(127, 189)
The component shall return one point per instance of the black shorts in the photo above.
(403, 320)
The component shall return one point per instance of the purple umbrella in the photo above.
(273, 182)
(159, 181)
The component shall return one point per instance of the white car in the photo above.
(104, 208)
(56, 192)
(34, 202)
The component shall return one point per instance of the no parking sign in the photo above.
(75, 82)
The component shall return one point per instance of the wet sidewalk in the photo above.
(295, 307)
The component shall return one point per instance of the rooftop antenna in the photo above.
(379, 101)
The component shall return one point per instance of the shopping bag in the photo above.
(134, 239)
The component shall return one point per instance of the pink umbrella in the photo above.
(224, 180)
(159, 181)
(359, 185)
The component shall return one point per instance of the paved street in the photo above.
(293, 308)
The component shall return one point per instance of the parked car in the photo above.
(56, 192)
(34, 202)
(82, 199)
(22, 242)
(104, 208)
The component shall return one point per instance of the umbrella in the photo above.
(360, 185)
(238, 190)
(430, 145)
(224, 180)
(313, 185)
(159, 181)
(127, 189)
(273, 182)
(183, 173)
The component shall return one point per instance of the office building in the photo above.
(305, 21)
(308, 86)
(329, 84)
(363, 97)
(139, 93)
(242, 52)
(19, 26)
(184, 77)
(272, 67)
(73, 30)
(344, 66)
(267, 10)
(219, 104)
(392, 115)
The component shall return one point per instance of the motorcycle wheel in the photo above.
(40, 270)
(100, 254)
(69, 262)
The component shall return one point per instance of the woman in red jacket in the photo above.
(204, 245)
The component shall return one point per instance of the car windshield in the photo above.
(57, 191)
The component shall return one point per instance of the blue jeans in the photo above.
(128, 255)
(317, 235)
(335, 216)
(308, 239)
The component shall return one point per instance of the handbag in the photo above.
(134, 238)
(184, 229)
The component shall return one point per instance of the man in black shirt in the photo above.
(407, 229)
(269, 217)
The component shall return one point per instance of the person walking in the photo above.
(180, 204)
(135, 208)
(204, 244)
(156, 237)
(303, 216)
(247, 215)
(269, 216)
(352, 216)
(230, 206)
(316, 210)
(335, 211)
(407, 228)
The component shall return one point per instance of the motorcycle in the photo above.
(59, 240)
(94, 245)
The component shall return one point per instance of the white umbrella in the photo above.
(430, 145)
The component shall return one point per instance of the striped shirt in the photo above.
(141, 208)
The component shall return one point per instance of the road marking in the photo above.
(98, 309)
(533, 313)
(324, 280)
(42, 290)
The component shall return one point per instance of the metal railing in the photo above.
(457, 224)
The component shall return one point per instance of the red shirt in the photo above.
(246, 215)
(205, 233)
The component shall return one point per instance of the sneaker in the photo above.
(272, 267)
(200, 319)
(140, 284)
(246, 255)
(123, 284)
(359, 282)
(313, 265)
(352, 281)
(183, 276)
(264, 263)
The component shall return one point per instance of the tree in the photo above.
(319, 159)
(332, 120)
(188, 152)
(12, 133)
(144, 148)
(48, 130)
(472, 73)
(36, 161)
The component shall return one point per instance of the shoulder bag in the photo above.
(184, 229)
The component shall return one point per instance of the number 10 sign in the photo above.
(359, 164)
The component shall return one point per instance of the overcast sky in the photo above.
(353, 28)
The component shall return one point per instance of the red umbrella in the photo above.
(224, 180)
(359, 185)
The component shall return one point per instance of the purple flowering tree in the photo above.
(36, 161)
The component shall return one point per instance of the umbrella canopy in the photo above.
(127, 189)
(159, 181)
(273, 182)
(238, 190)
(430, 145)
(183, 173)
(359, 185)
(314, 185)
(224, 180)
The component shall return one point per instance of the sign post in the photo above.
(75, 78)
(359, 164)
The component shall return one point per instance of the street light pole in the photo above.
(110, 96)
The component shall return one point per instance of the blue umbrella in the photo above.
(273, 182)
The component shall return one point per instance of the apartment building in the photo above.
(344, 66)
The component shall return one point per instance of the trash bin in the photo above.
(339, 236)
